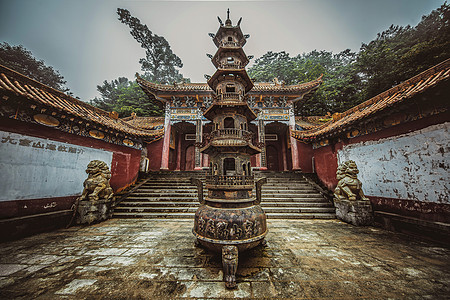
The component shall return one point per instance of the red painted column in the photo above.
(165, 150)
(294, 147)
(284, 154)
(166, 143)
(294, 152)
(205, 160)
(180, 136)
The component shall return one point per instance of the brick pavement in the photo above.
(157, 259)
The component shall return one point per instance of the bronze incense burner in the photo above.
(230, 219)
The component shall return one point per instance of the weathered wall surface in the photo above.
(34, 168)
(154, 153)
(411, 166)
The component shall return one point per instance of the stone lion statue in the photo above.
(96, 186)
(349, 187)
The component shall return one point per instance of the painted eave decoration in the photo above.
(341, 123)
(25, 99)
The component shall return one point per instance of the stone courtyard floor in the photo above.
(157, 259)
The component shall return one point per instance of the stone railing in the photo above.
(230, 97)
(229, 180)
(230, 66)
(231, 133)
(230, 44)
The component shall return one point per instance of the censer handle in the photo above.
(259, 184)
(199, 184)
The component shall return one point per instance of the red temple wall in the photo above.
(125, 162)
(46, 209)
(412, 201)
(154, 155)
(305, 154)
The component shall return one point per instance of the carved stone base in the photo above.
(358, 213)
(89, 212)
(230, 263)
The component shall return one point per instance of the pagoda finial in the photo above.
(228, 21)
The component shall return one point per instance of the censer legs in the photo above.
(230, 263)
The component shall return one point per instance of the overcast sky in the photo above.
(87, 44)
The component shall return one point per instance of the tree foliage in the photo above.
(339, 77)
(399, 53)
(395, 55)
(22, 60)
(159, 65)
(125, 97)
(160, 62)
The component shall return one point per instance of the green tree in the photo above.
(160, 62)
(125, 97)
(399, 53)
(340, 79)
(22, 60)
(159, 65)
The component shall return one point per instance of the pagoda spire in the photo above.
(228, 21)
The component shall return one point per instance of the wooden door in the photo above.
(190, 158)
(272, 158)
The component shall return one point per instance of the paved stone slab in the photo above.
(157, 259)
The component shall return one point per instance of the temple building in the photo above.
(398, 139)
(185, 103)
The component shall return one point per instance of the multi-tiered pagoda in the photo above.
(187, 126)
(230, 218)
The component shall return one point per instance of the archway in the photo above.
(228, 122)
(229, 166)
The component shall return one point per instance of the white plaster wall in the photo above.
(33, 168)
(410, 166)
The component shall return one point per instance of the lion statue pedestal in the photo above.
(95, 204)
(352, 206)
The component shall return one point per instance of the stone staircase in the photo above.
(171, 195)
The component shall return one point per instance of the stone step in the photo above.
(193, 209)
(131, 204)
(287, 187)
(194, 197)
(301, 216)
(168, 183)
(171, 195)
(191, 215)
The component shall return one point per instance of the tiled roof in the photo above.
(381, 102)
(34, 92)
(203, 87)
(146, 122)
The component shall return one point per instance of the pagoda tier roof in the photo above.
(227, 29)
(222, 51)
(239, 75)
(33, 93)
(230, 146)
(237, 106)
(402, 93)
(154, 89)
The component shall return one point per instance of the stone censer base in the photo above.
(230, 231)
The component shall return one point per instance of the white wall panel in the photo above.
(32, 168)
(410, 166)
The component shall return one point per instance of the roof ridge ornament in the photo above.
(220, 21)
